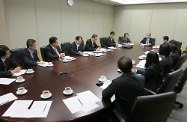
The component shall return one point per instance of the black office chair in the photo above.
(180, 86)
(82, 44)
(16, 55)
(104, 42)
(120, 39)
(168, 84)
(178, 44)
(180, 62)
(42, 50)
(66, 48)
(153, 42)
(152, 108)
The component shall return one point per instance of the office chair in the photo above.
(153, 43)
(120, 39)
(16, 55)
(180, 62)
(104, 42)
(180, 86)
(151, 108)
(65, 48)
(42, 50)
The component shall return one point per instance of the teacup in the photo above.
(45, 93)
(21, 90)
(68, 90)
(19, 79)
(102, 78)
(30, 70)
(50, 63)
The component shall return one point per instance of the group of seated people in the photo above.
(126, 87)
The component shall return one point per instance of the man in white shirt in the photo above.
(76, 48)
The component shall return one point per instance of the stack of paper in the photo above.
(103, 50)
(120, 45)
(6, 81)
(7, 98)
(141, 64)
(46, 64)
(84, 101)
(20, 73)
(112, 48)
(20, 109)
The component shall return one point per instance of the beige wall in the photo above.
(40, 19)
(159, 19)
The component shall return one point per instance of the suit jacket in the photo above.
(151, 40)
(111, 42)
(50, 52)
(153, 78)
(27, 58)
(73, 49)
(175, 58)
(89, 46)
(6, 67)
(124, 40)
(165, 66)
(125, 88)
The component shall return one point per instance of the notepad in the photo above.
(6, 81)
(7, 98)
(141, 64)
(20, 73)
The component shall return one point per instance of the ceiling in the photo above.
(126, 2)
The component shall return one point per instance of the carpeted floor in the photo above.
(180, 115)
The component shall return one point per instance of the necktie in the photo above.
(56, 51)
(32, 55)
(5, 66)
(147, 41)
(78, 47)
(93, 45)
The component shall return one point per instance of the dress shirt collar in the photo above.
(31, 51)
(3, 59)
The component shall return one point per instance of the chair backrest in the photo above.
(42, 50)
(153, 42)
(104, 42)
(180, 61)
(120, 39)
(82, 44)
(170, 81)
(152, 108)
(16, 55)
(66, 48)
(181, 82)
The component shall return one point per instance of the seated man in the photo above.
(53, 50)
(7, 66)
(126, 87)
(165, 40)
(76, 48)
(148, 40)
(111, 41)
(30, 55)
(91, 44)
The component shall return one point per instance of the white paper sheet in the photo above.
(106, 84)
(46, 64)
(19, 109)
(20, 73)
(7, 98)
(141, 64)
(40, 109)
(112, 48)
(87, 98)
(90, 107)
(6, 81)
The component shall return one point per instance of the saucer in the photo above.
(45, 97)
(86, 55)
(97, 55)
(65, 61)
(23, 80)
(29, 72)
(65, 93)
(73, 59)
(24, 92)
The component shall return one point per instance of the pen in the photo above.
(45, 107)
(80, 102)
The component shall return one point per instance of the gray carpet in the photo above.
(180, 115)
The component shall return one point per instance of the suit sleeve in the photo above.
(73, 50)
(49, 55)
(109, 91)
(27, 61)
(129, 40)
(142, 41)
(113, 43)
(5, 73)
(89, 47)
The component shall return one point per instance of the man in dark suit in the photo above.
(111, 41)
(148, 40)
(165, 40)
(30, 55)
(76, 48)
(126, 87)
(91, 44)
(53, 50)
(7, 66)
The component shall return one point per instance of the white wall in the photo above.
(41, 19)
(158, 19)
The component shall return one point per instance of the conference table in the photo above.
(85, 72)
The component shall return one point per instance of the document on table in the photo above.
(106, 84)
(6, 81)
(40, 109)
(20, 73)
(19, 108)
(141, 64)
(46, 64)
(112, 48)
(7, 98)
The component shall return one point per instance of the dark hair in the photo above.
(30, 42)
(125, 64)
(52, 40)
(112, 33)
(94, 35)
(173, 48)
(126, 34)
(152, 58)
(172, 41)
(3, 50)
(78, 37)
(166, 38)
(164, 50)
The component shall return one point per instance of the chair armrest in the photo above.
(148, 92)
(121, 117)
